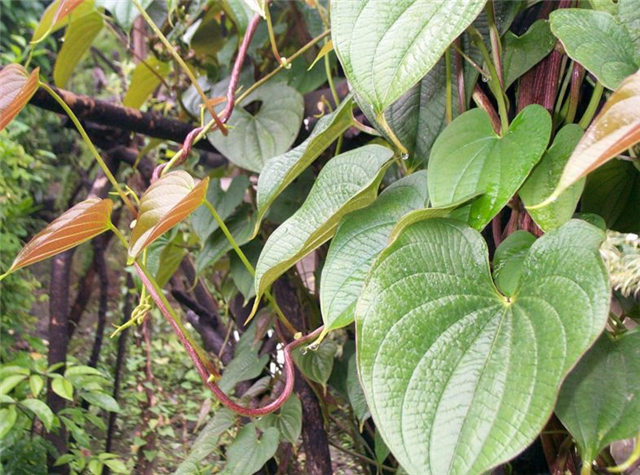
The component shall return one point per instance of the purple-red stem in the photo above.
(205, 369)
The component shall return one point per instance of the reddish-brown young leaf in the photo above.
(166, 202)
(77, 225)
(55, 16)
(616, 129)
(16, 89)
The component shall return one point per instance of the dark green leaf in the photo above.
(248, 453)
(288, 420)
(509, 259)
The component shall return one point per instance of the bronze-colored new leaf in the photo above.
(165, 203)
(16, 89)
(77, 225)
(616, 129)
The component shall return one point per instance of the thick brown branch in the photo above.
(119, 117)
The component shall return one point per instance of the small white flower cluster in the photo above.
(621, 253)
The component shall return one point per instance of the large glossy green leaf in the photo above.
(77, 39)
(521, 53)
(419, 115)
(79, 224)
(599, 401)
(629, 15)
(387, 46)
(254, 139)
(595, 40)
(288, 420)
(17, 87)
(616, 129)
(279, 172)
(545, 178)
(360, 237)
(347, 183)
(469, 158)
(248, 452)
(166, 202)
(124, 12)
(207, 442)
(613, 192)
(225, 203)
(146, 78)
(475, 374)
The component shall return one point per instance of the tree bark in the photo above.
(58, 345)
(314, 435)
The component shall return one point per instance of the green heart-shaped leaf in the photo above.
(387, 46)
(279, 172)
(470, 158)
(598, 42)
(546, 175)
(521, 53)
(166, 202)
(248, 453)
(288, 420)
(254, 139)
(346, 183)
(361, 236)
(458, 377)
(599, 401)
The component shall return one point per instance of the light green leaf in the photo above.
(316, 364)
(168, 200)
(81, 370)
(41, 410)
(616, 129)
(225, 202)
(146, 78)
(124, 12)
(10, 382)
(53, 19)
(36, 383)
(101, 400)
(257, 6)
(509, 259)
(116, 466)
(355, 392)
(466, 393)
(6, 370)
(521, 53)
(413, 217)
(545, 177)
(248, 453)
(599, 401)
(170, 258)
(613, 192)
(629, 15)
(387, 46)
(360, 237)
(242, 278)
(469, 158)
(288, 420)
(595, 40)
(279, 172)
(8, 417)
(240, 224)
(207, 441)
(604, 5)
(63, 388)
(77, 40)
(346, 183)
(254, 139)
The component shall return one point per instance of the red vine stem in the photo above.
(204, 366)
